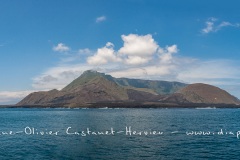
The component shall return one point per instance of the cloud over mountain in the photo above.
(140, 56)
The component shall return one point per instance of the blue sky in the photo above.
(46, 44)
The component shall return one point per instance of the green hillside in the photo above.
(158, 87)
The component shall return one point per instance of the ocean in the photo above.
(119, 133)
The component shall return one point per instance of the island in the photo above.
(93, 89)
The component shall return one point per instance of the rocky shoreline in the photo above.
(127, 105)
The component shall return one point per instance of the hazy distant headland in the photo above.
(96, 90)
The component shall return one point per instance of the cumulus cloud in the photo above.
(61, 48)
(166, 55)
(104, 55)
(137, 60)
(138, 49)
(136, 45)
(101, 19)
(212, 25)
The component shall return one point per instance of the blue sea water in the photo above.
(123, 134)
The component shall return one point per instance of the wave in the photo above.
(205, 108)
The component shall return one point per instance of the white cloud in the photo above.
(224, 24)
(166, 55)
(158, 72)
(137, 60)
(206, 71)
(101, 19)
(213, 26)
(138, 49)
(60, 76)
(12, 97)
(172, 49)
(104, 55)
(76, 56)
(84, 51)
(208, 28)
(136, 45)
(61, 48)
